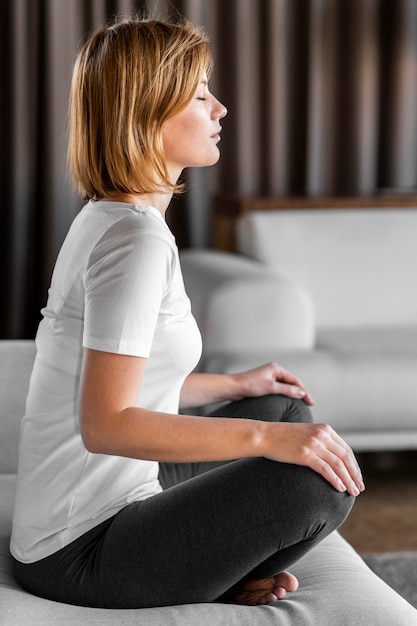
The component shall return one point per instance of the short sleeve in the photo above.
(127, 276)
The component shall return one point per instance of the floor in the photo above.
(384, 518)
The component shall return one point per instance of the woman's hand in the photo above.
(316, 446)
(204, 388)
(272, 379)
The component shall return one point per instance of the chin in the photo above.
(206, 162)
(215, 158)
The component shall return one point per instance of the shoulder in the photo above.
(137, 222)
(135, 228)
(135, 237)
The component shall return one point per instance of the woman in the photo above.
(123, 502)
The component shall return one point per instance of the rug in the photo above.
(398, 570)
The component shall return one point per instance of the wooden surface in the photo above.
(384, 517)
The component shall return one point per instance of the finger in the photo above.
(294, 391)
(343, 467)
(331, 457)
(291, 391)
(337, 474)
(308, 399)
(285, 377)
(347, 456)
(325, 470)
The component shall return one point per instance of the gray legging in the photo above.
(214, 525)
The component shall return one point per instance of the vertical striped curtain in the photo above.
(321, 94)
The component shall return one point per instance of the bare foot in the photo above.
(264, 590)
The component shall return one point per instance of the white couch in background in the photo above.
(331, 295)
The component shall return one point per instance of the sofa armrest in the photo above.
(240, 304)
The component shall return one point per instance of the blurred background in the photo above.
(322, 100)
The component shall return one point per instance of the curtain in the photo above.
(322, 100)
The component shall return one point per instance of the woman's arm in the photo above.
(200, 389)
(111, 424)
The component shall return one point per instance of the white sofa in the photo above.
(336, 586)
(331, 295)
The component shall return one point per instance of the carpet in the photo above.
(398, 570)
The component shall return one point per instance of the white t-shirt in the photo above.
(117, 286)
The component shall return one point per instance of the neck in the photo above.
(159, 201)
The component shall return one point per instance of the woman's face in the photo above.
(191, 136)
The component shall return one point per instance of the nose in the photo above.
(219, 110)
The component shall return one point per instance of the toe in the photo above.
(287, 581)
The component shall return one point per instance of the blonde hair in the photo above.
(128, 79)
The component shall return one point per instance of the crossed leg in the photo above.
(271, 408)
(217, 531)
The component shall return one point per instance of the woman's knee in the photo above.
(270, 408)
(307, 493)
(323, 500)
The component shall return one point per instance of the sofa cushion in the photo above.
(7, 490)
(385, 341)
(16, 361)
(359, 265)
(363, 384)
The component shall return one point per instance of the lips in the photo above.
(216, 134)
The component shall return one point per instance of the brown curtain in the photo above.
(322, 100)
